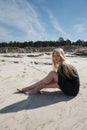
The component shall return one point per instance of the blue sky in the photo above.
(33, 20)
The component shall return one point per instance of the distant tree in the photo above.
(79, 42)
(10, 44)
(68, 42)
(85, 43)
(61, 39)
(31, 43)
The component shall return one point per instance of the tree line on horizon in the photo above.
(59, 42)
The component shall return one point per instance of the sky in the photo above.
(41, 20)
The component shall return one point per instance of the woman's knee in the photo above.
(54, 76)
(52, 73)
(51, 77)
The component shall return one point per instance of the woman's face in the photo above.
(56, 58)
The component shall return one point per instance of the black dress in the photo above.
(69, 86)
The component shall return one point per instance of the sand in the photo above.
(49, 110)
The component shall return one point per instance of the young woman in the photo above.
(65, 76)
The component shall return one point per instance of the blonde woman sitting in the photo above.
(64, 77)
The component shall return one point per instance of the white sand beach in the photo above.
(50, 110)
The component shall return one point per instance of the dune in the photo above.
(48, 110)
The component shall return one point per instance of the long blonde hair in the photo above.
(60, 52)
(67, 70)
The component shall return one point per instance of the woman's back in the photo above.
(68, 78)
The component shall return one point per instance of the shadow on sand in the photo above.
(37, 101)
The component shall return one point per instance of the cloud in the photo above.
(55, 22)
(18, 18)
(40, 1)
(79, 31)
(56, 25)
(5, 35)
(79, 28)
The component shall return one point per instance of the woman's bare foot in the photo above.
(28, 92)
(21, 91)
(27, 88)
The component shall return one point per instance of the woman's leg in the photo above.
(38, 88)
(50, 81)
